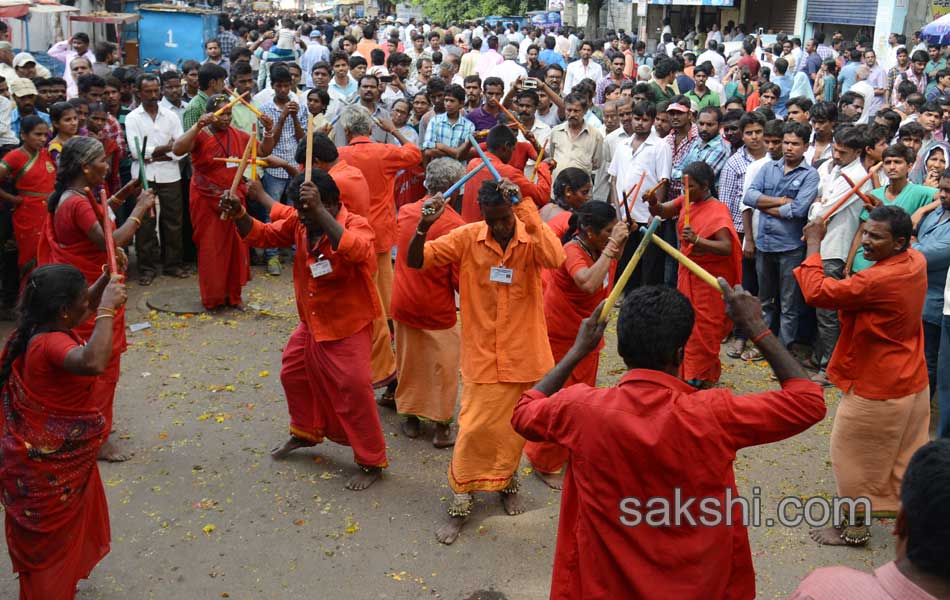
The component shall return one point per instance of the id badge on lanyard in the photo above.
(321, 267)
(501, 274)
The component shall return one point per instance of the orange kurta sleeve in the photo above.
(549, 253)
(276, 234)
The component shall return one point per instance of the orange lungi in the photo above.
(872, 442)
(329, 393)
(383, 358)
(428, 364)
(487, 450)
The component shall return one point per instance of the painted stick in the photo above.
(259, 162)
(238, 175)
(491, 167)
(513, 119)
(537, 162)
(227, 106)
(106, 225)
(308, 165)
(138, 150)
(686, 261)
(854, 189)
(632, 196)
(686, 200)
(458, 184)
(254, 152)
(653, 189)
(250, 106)
(869, 202)
(628, 270)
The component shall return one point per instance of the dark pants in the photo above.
(667, 231)
(650, 269)
(147, 248)
(943, 379)
(189, 251)
(932, 334)
(779, 292)
(750, 281)
(828, 326)
(9, 271)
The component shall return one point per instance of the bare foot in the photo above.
(411, 427)
(111, 452)
(450, 530)
(555, 481)
(365, 478)
(294, 443)
(444, 436)
(512, 503)
(827, 536)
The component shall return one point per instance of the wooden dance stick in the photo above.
(513, 119)
(259, 162)
(106, 225)
(686, 261)
(491, 167)
(628, 270)
(254, 152)
(686, 200)
(868, 201)
(458, 184)
(227, 106)
(237, 176)
(854, 189)
(632, 196)
(252, 108)
(308, 166)
(537, 162)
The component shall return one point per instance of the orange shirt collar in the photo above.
(521, 235)
(360, 139)
(640, 376)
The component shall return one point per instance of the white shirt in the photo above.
(718, 63)
(602, 184)
(714, 35)
(6, 133)
(266, 95)
(541, 131)
(714, 85)
(523, 49)
(178, 110)
(577, 71)
(654, 157)
(508, 71)
(750, 173)
(163, 130)
(844, 222)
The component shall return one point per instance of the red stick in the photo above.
(107, 231)
(852, 191)
(867, 200)
(632, 196)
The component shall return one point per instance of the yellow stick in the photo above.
(221, 110)
(237, 176)
(308, 168)
(254, 152)
(537, 163)
(686, 202)
(259, 162)
(687, 262)
(628, 270)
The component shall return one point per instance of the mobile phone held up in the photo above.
(530, 84)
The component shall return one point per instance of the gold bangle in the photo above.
(136, 220)
(104, 317)
(105, 309)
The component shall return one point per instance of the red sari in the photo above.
(565, 306)
(66, 240)
(57, 518)
(224, 264)
(34, 177)
(701, 359)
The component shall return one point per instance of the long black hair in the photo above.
(594, 214)
(702, 173)
(46, 292)
(78, 152)
(571, 177)
(58, 111)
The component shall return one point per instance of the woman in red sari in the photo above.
(571, 189)
(73, 235)
(223, 258)
(34, 175)
(592, 242)
(711, 241)
(57, 519)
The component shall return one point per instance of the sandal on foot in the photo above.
(752, 355)
(146, 279)
(736, 350)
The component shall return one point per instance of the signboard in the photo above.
(642, 8)
(556, 5)
(261, 6)
(547, 19)
(407, 11)
(940, 8)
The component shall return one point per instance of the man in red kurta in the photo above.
(325, 368)
(878, 364)
(354, 191)
(379, 163)
(653, 437)
(501, 145)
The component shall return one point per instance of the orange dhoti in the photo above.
(487, 449)
(872, 442)
(548, 457)
(383, 359)
(428, 365)
(330, 395)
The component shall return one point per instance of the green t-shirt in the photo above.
(710, 99)
(912, 197)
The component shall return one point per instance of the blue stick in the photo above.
(491, 167)
(458, 184)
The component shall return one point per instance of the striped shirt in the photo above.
(731, 184)
(441, 131)
(286, 145)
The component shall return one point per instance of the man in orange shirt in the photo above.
(427, 337)
(501, 146)
(878, 364)
(325, 368)
(366, 45)
(505, 348)
(379, 164)
(354, 191)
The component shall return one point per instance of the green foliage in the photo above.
(453, 12)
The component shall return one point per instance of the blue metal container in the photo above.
(175, 33)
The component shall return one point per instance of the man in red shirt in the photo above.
(501, 144)
(325, 368)
(748, 57)
(878, 364)
(654, 438)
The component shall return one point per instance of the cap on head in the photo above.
(22, 87)
(22, 59)
(677, 107)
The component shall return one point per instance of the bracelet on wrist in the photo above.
(105, 310)
(761, 336)
(422, 232)
(104, 317)
(136, 220)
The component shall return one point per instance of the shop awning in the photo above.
(108, 18)
(14, 9)
(722, 3)
(838, 12)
